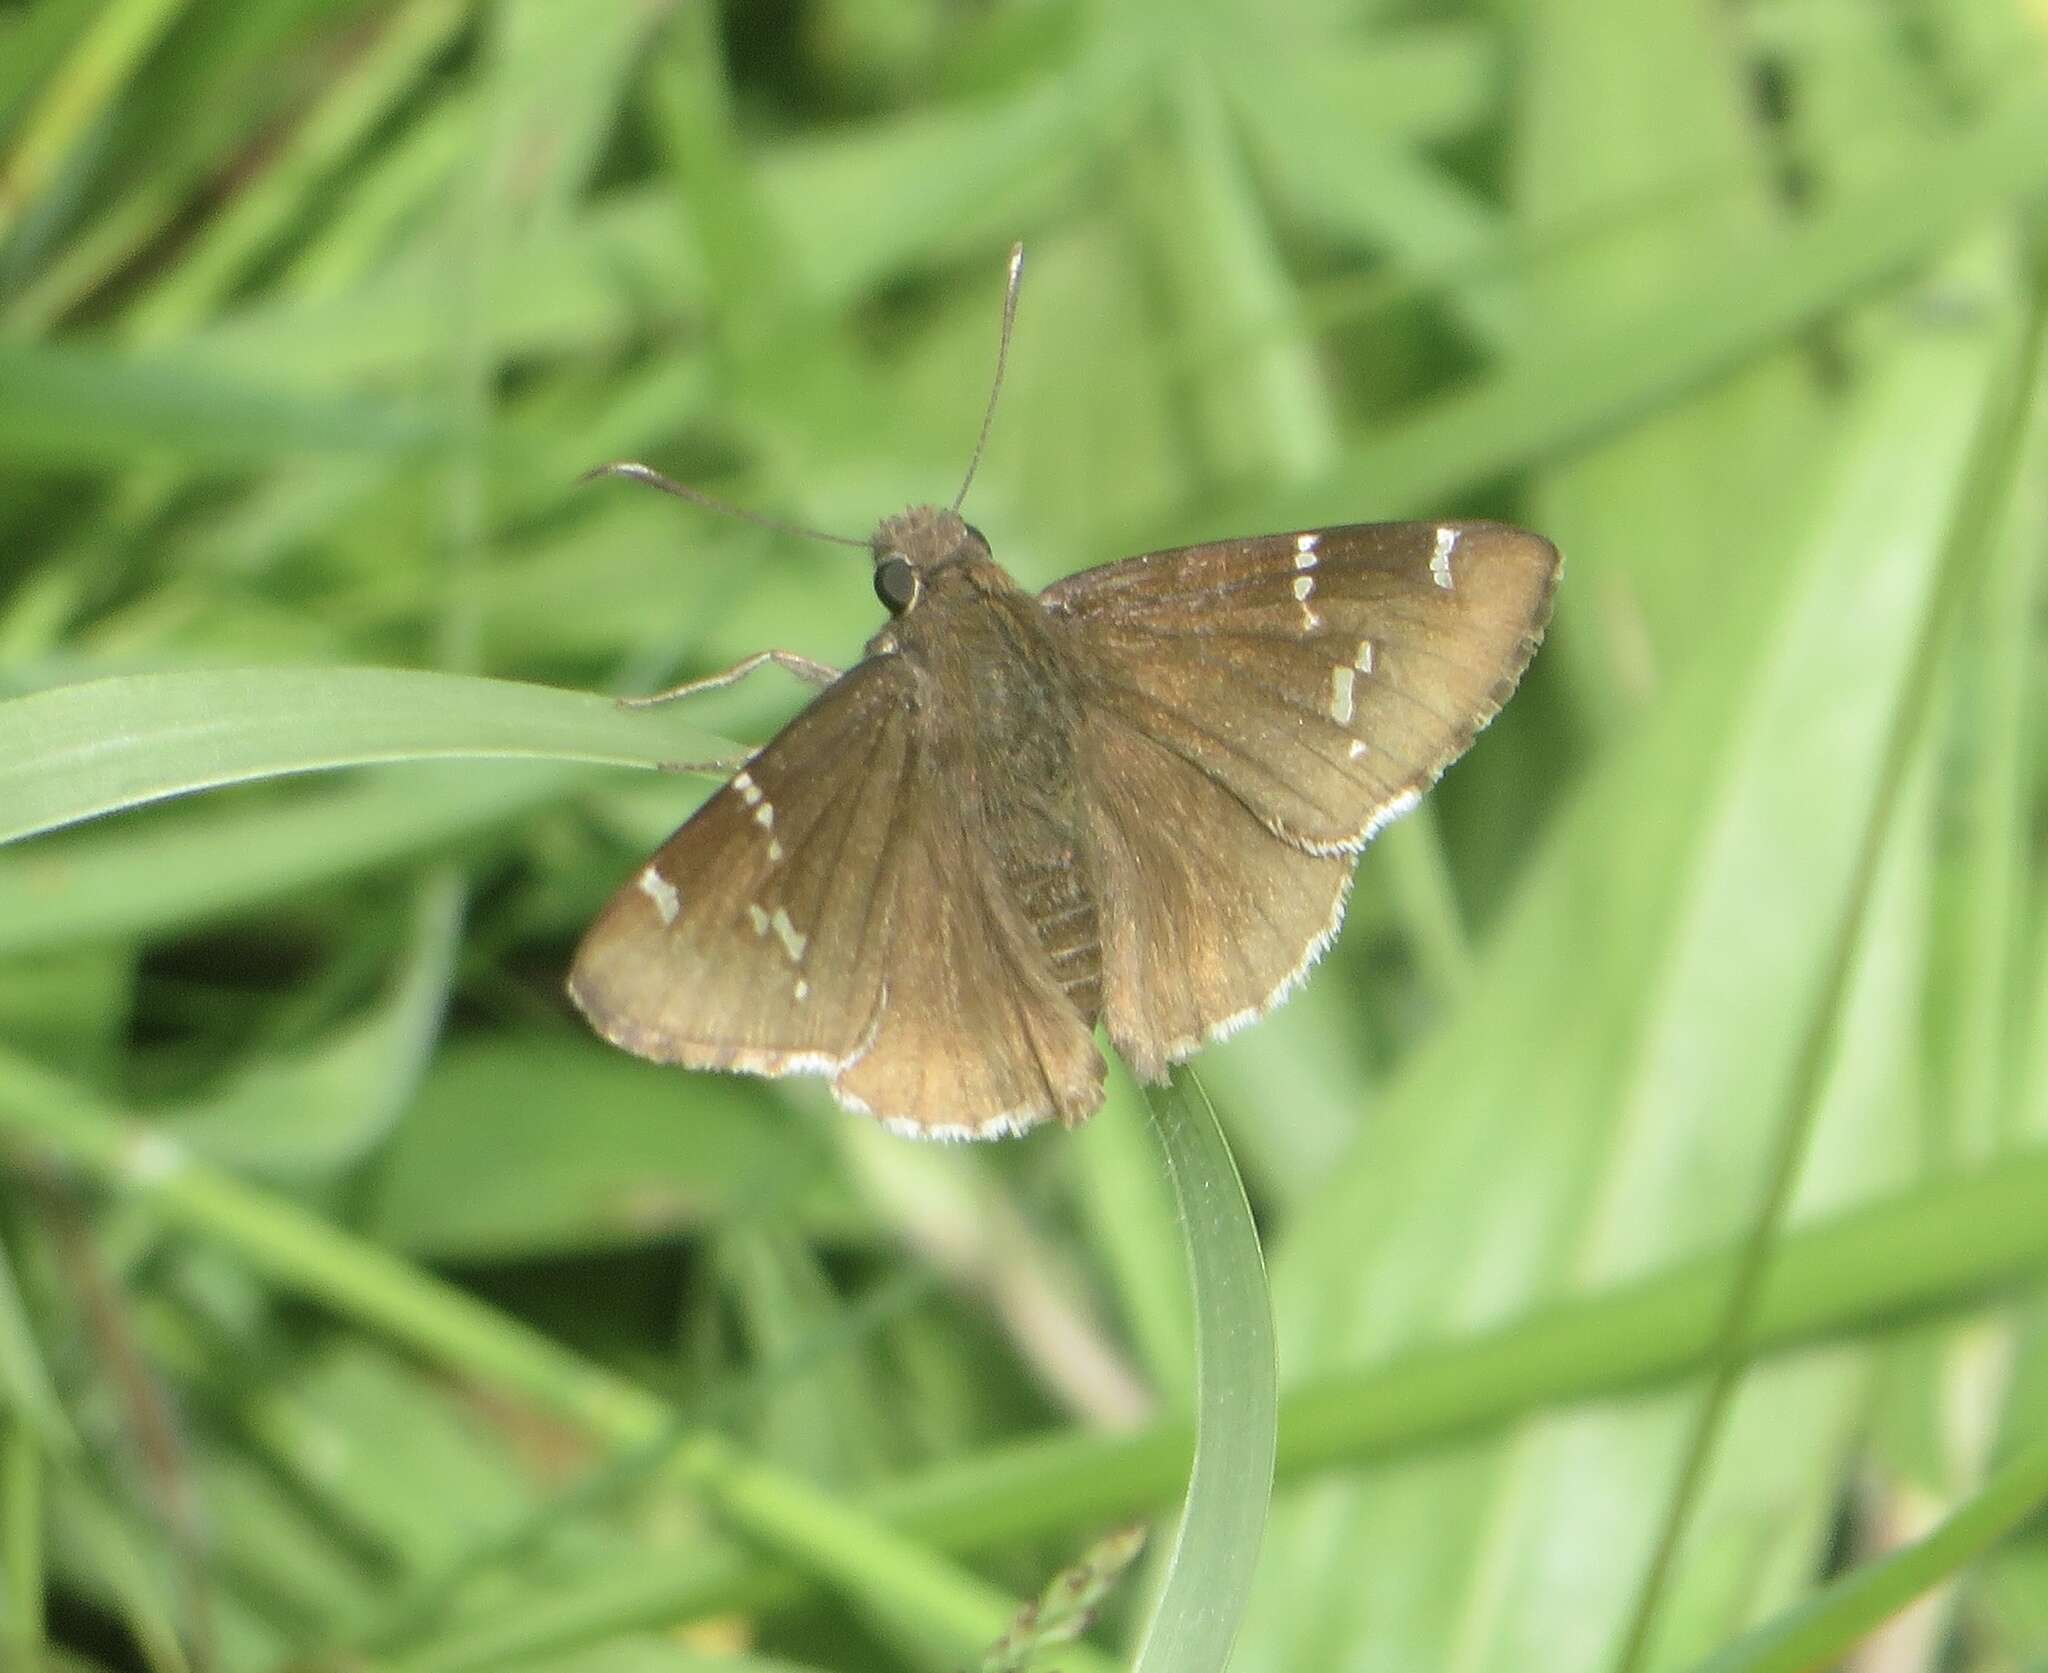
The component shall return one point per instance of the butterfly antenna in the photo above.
(653, 478)
(988, 418)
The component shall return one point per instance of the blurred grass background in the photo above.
(358, 1310)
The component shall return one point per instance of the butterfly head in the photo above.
(917, 547)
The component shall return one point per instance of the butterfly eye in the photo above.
(896, 584)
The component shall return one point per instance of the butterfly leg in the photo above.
(816, 673)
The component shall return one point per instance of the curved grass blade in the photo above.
(149, 877)
(1237, 1413)
(78, 751)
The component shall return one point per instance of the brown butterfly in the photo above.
(1135, 798)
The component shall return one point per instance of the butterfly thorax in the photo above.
(999, 716)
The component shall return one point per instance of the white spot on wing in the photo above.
(1363, 660)
(1359, 751)
(774, 851)
(1340, 693)
(747, 788)
(1440, 559)
(1306, 543)
(803, 988)
(792, 939)
(758, 918)
(764, 816)
(1305, 552)
(1304, 587)
(668, 900)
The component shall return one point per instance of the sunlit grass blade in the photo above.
(1215, 1551)
(1979, 508)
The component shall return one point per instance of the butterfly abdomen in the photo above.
(1008, 726)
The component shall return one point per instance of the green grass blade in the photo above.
(64, 405)
(1606, 371)
(275, 1237)
(152, 876)
(77, 752)
(1223, 1521)
(1986, 494)
(1823, 1630)
(316, 146)
(77, 96)
(1938, 1249)
(22, 1581)
(918, 1596)
(909, 1586)
(29, 1401)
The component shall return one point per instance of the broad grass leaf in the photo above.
(1602, 1102)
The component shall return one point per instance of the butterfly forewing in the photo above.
(1325, 678)
(1256, 710)
(825, 914)
(755, 938)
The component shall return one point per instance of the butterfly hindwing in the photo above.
(1209, 919)
(1325, 678)
(976, 1037)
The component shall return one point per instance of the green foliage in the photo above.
(1655, 1167)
